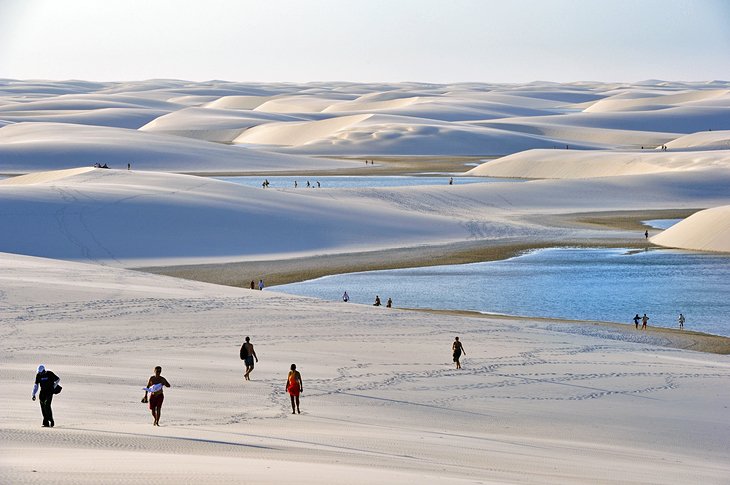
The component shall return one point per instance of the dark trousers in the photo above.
(45, 400)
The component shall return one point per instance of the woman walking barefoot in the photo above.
(294, 387)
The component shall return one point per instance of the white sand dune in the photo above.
(28, 147)
(579, 164)
(706, 230)
(130, 118)
(413, 118)
(536, 401)
(299, 103)
(679, 120)
(364, 134)
(299, 133)
(705, 140)
(138, 218)
(247, 103)
(654, 102)
(381, 399)
(216, 125)
(144, 219)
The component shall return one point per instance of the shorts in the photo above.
(248, 361)
(156, 401)
(457, 355)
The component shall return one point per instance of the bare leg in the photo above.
(292, 404)
(159, 413)
(298, 411)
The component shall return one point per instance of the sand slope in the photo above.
(594, 163)
(150, 218)
(381, 400)
(28, 147)
(394, 119)
(707, 230)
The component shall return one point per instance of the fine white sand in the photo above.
(40, 146)
(707, 230)
(131, 219)
(580, 164)
(534, 403)
(537, 401)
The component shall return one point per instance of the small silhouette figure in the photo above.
(389, 303)
(457, 349)
(377, 301)
(248, 354)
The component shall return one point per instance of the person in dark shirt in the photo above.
(457, 349)
(47, 381)
(248, 354)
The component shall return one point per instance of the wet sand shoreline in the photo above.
(283, 271)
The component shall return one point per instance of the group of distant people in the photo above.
(645, 319)
(388, 304)
(309, 184)
(265, 184)
(99, 165)
(252, 285)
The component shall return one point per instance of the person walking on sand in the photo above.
(389, 303)
(253, 285)
(377, 301)
(681, 321)
(636, 321)
(345, 297)
(294, 387)
(248, 354)
(457, 349)
(646, 234)
(644, 320)
(261, 284)
(154, 388)
(48, 383)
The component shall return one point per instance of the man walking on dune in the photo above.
(154, 387)
(457, 349)
(48, 382)
(248, 354)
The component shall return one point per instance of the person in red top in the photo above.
(294, 387)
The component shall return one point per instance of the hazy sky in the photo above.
(366, 40)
